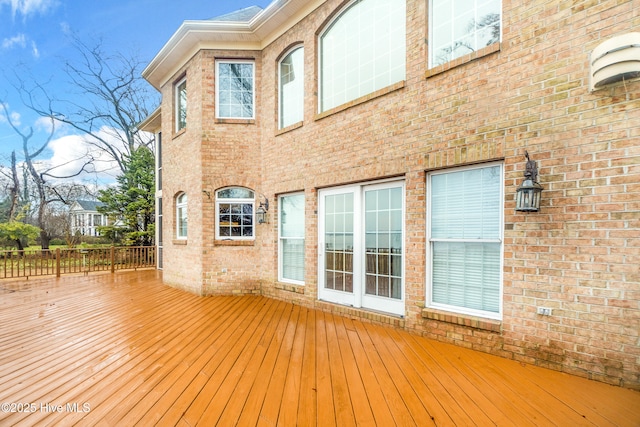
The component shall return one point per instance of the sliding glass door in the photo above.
(361, 257)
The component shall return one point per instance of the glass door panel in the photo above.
(337, 209)
(338, 232)
(383, 248)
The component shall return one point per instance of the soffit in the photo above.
(255, 34)
(153, 122)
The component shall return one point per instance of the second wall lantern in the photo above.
(528, 193)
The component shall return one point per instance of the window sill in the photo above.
(180, 242)
(360, 100)
(290, 287)
(230, 242)
(462, 319)
(289, 128)
(235, 121)
(179, 133)
(485, 51)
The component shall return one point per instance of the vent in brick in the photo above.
(615, 60)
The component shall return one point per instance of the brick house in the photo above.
(362, 157)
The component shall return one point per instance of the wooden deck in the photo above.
(123, 349)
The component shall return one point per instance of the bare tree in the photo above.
(12, 187)
(15, 187)
(45, 190)
(112, 100)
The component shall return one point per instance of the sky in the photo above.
(34, 36)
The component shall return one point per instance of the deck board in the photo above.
(130, 365)
(392, 395)
(307, 414)
(288, 414)
(254, 400)
(140, 352)
(178, 362)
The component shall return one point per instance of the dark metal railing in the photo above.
(79, 260)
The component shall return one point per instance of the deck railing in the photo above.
(47, 262)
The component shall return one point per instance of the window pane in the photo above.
(339, 244)
(466, 204)
(362, 51)
(293, 259)
(235, 193)
(383, 249)
(458, 27)
(292, 216)
(181, 215)
(467, 275)
(181, 105)
(292, 88)
(182, 221)
(235, 90)
(235, 219)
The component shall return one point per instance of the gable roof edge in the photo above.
(255, 34)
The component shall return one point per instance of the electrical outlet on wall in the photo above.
(544, 311)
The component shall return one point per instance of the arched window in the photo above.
(181, 216)
(362, 50)
(291, 88)
(235, 213)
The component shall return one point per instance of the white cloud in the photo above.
(13, 115)
(29, 7)
(18, 40)
(71, 152)
(65, 28)
(34, 50)
(46, 124)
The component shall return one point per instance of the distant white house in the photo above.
(85, 218)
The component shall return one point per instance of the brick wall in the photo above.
(181, 172)
(579, 255)
(230, 157)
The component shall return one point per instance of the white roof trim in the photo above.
(152, 122)
(256, 34)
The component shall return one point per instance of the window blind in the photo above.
(465, 238)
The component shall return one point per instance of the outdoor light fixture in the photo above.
(261, 213)
(528, 194)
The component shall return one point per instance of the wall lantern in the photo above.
(261, 213)
(528, 194)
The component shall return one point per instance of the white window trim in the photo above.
(179, 206)
(253, 94)
(231, 201)
(281, 278)
(286, 54)
(429, 240)
(177, 104)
